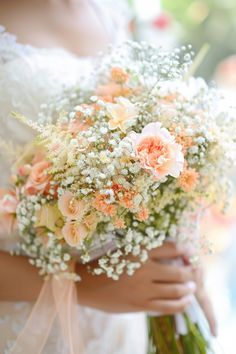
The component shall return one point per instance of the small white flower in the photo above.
(103, 130)
(72, 115)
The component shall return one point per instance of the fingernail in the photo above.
(192, 286)
(190, 251)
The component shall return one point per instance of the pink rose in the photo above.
(71, 207)
(24, 170)
(39, 179)
(8, 205)
(74, 233)
(157, 151)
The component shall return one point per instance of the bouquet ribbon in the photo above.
(56, 305)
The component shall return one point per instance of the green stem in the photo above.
(163, 338)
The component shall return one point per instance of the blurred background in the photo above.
(170, 23)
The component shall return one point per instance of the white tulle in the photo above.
(29, 77)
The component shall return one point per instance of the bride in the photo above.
(45, 46)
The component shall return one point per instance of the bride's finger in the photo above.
(167, 250)
(171, 291)
(170, 273)
(170, 307)
(170, 250)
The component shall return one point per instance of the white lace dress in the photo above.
(29, 76)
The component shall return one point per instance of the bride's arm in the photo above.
(19, 281)
(155, 287)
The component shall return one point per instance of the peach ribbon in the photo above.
(57, 302)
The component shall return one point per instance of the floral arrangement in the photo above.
(122, 163)
(129, 160)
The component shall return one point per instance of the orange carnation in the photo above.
(101, 205)
(143, 214)
(188, 180)
(119, 75)
(119, 223)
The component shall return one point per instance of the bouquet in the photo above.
(118, 166)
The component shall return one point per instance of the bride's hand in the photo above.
(155, 287)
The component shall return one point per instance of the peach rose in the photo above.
(38, 179)
(74, 233)
(50, 217)
(71, 207)
(157, 151)
(122, 113)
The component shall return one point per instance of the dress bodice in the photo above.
(30, 76)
